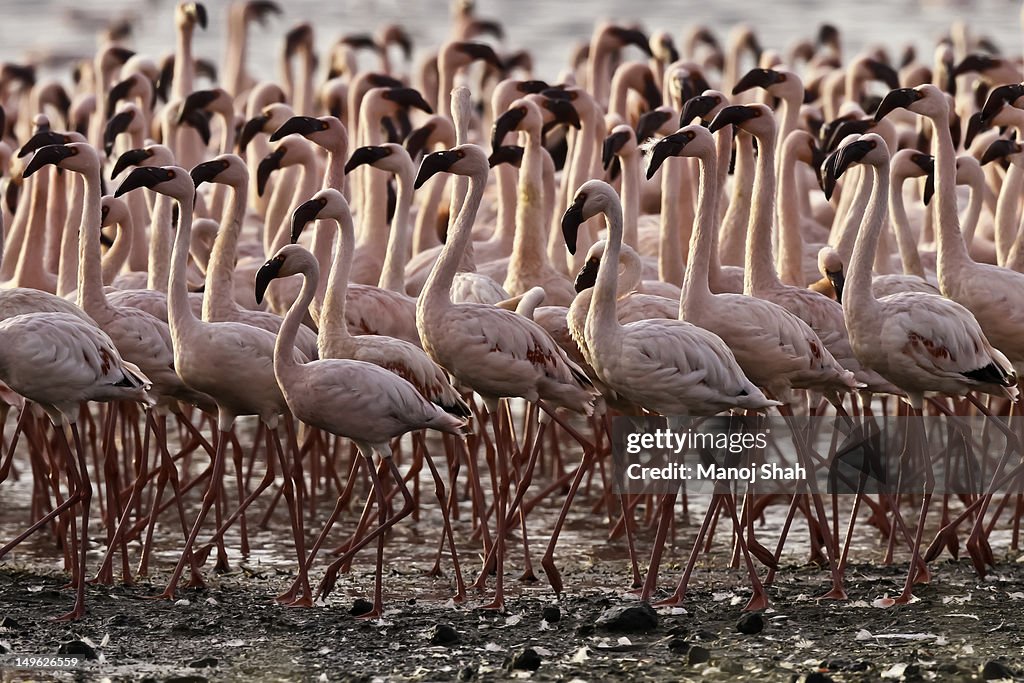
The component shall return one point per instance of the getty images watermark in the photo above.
(842, 455)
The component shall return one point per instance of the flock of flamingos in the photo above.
(366, 248)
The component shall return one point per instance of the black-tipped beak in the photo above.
(901, 98)
(505, 124)
(756, 78)
(196, 101)
(587, 277)
(199, 120)
(417, 140)
(612, 144)
(408, 97)
(563, 111)
(838, 280)
(1000, 95)
(481, 52)
(251, 128)
(696, 107)
(432, 164)
(130, 158)
(268, 165)
(207, 171)
(304, 214)
(851, 154)
(50, 154)
(506, 154)
(734, 115)
(975, 124)
(650, 123)
(42, 139)
(144, 176)
(261, 9)
(999, 149)
(298, 125)
(118, 93)
(668, 146)
(881, 71)
(200, 14)
(652, 93)
(266, 274)
(826, 175)
(365, 155)
(532, 86)
(571, 221)
(929, 186)
(632, 36)
(117, 124)
(972, 63)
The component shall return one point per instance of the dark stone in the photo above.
(3, 649)
(698, 655)
(818, 677)
(360, 607)
(77, 648)
(9, 624)
(443, 634)
(750, 623)
(704, 634)
(995, 670)
(467, 673)
(526, 659)
(679, 646)
(205, 662)
(631, 619)
(585, 631)
(551, 614)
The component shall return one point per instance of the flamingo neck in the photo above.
(118, 254)
(858, 299)
(179, 313)
(219, 298)
(1006, 210)
(760, 263)
(160, 243)
(791, 241)
(696, 290)
(602, 319)
(436, 291)
(528, 247)
(505, 222)
(392, 274)
(90, 272)
(847, 232)
(184, 69)
(952, 252)
(737, 216)
(631, 198)
(68, 265)
(670, 263)
(284, 348)
(333, 326)
(901, 224)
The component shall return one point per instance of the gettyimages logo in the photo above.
(814, 455)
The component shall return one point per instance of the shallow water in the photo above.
(547, 29)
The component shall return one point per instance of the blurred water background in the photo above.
(59, 30)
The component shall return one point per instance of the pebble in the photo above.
(360, 607)
(4, 649)
(443, 634)
(631, 619)
(77, 647)
(467, 673)
(551, 614)
(995, 670)
(679, 645)
(526, 659)
(205, 662)
(750, 623)
(698, 655)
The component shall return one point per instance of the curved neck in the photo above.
(284, 348)
(858, 298)
(1007, 206)
(528, 247)
(426, 218)
(847, 232)
(901, 224)
(392, 274)
(670, 262)
(950, 242)
(90, 271)
(791, 241)
(67, 269)
(436, 291)
(696, 291)
(219, 298)
(602, 318)
(332, 314)
(117, 256)
(160, 243)
(505, 222)
(630, 198)
(179, 312)
(737, 216)
(760, 263)
(31, 269)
